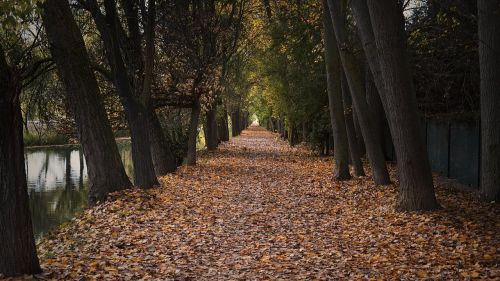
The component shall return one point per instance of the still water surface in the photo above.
(57, 183)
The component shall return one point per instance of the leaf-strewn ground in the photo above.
(258, 209)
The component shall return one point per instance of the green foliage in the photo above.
(13, 12)
(289, 68)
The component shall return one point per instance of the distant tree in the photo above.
(198, 38)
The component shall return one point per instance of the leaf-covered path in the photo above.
(258, 209)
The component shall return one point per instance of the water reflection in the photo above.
(57, 184)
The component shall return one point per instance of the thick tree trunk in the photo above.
(105, 168)
(333, 74)
(139, 126)
(351, 132)
(193, 133)
(355, 80)
(416, 190)
(163, 157)
(211, 130)
(489, 60)
(17, 244)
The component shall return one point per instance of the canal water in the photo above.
(57, 183)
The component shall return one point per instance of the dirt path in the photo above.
(258, 209)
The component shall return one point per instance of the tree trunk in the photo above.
(105, 168)
(489, 59)
(211, 135)
(235, 122)
(380, 125)
(357, 90)
(283, 129)
(305, 131)
(223, 133)
(17, 244)
(139, 126)
(361, 14)
(291, 135)
(193, 133)
(333, 75)
(359, 135)
(163, 157)
(351, 132)
(416, 190)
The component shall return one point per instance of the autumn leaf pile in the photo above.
(259, 209)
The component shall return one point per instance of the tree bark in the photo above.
(361, 14)
(489, 60)
(211, 130)
(163, 157)
(333, 74)
(17, 244)
(235, 122)
(359, 135)
(139, 126)
(377, 113)
(355, 81)
(416, 190)
(351, 132)
(193, 133)
(105, 168)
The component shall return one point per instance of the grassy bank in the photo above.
(46, 138)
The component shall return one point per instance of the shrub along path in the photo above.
(258, 209)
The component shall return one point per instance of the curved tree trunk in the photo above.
(105, 168)
(416, 190)
(333, 74)
(489, 59)
(351, 132)
(355, 80)
(193, 133)
(17, 244)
